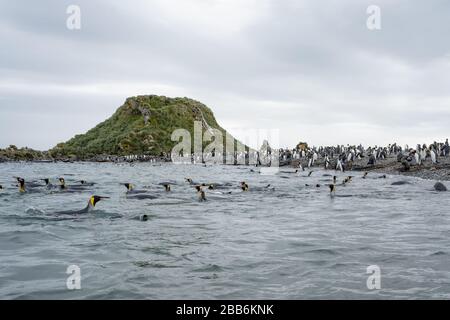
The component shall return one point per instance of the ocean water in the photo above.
(294, 242)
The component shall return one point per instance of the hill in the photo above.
(143, 125)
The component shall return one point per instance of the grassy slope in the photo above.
(125, 132)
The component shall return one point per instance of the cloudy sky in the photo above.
(311, 69)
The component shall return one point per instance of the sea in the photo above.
(287, 237)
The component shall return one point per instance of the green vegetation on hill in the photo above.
(12, 153)
(142, 125)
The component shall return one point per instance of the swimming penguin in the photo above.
(62, 183)
(167, 187)
(137, 194)
(143, 217)
(87, 184)
(71, 188)
(334, 179)
(131, 190)
(310, 173)
(244, 186)
(48, 184)
(365, 175)
(200, 193)
(347, 180)
(332, 190)
(31, 185)
(189, 180)
(90, 206)
(21, 185)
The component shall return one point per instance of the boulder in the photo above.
(440, 187)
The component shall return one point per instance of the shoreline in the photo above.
(429, 171)
(437, 172)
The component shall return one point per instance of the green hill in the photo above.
(142, 125)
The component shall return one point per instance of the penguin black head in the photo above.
(317, 185)
(188, 180)
(244, 186)
(365, 175)
(129, 186)
(1, 187)
(62, 182)
(167, 187)
(332, 188)
(198, 188)
(83, 181)
(21, 184)
(211, 187)
(95, 199)
(310, 173)
(143, 217)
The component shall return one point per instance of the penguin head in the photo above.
(129, 186)
(95, 199)
(167, 187)
(46, 180)
(62, 181)
(188, 180)
(332, 187)
(143, 217)
(211, 187)
(21, 184)
(82, 181)
(244, 186)
(1, 187)
(198, 188)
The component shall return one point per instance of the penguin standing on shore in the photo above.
(339, 165)
(433, 156)
(327, 162)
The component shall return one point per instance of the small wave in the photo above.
(438, 253)
(209, 268)
(324, 251)
(148, 264)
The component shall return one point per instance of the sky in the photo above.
(312, 70)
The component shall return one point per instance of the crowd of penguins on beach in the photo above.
(342, 157)
(339, 158)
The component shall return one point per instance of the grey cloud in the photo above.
(305, 66)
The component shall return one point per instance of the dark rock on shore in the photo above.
(440, 187)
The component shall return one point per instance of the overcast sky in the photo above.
(309, 68)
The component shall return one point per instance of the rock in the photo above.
(406, 165)
(440, 187)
